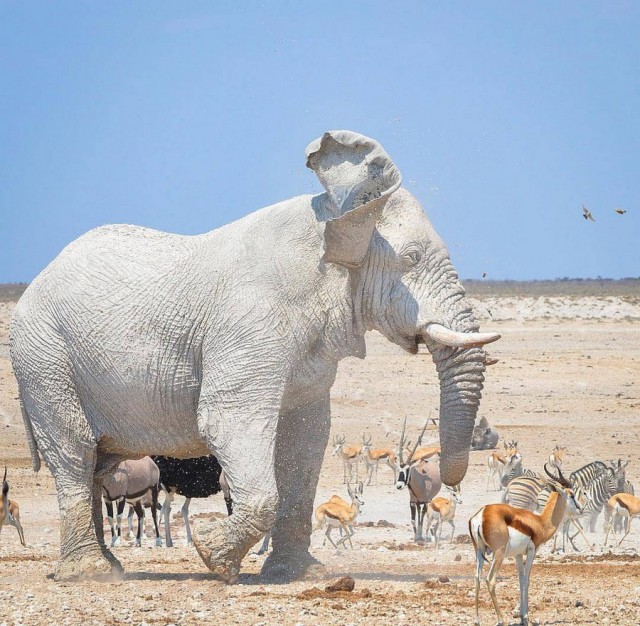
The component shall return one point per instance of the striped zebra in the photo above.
(600, 490)
(522, 492)
(587, 473)
(513, 469)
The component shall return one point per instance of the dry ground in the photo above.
(568, 373)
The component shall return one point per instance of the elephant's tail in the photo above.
(33, 445)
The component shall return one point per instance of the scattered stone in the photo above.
(579, 603)
(443, 579)
(457, 557)
(384, 523)
(345, 583)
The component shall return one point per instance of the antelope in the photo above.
(443, 510)
(555, 458)
(625, 505)
(130, 483)
(507, 531)
(373, 456)
(9, 510)
(496, 462)
(349, 456)
(422, 480)
(425, 452)
(336, 513)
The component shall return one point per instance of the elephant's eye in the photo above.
(413, 257)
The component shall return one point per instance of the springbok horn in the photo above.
(563, 481)
(490, 360)
(4, 480)
(454, 339)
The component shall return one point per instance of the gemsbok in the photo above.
(129, 483)
(372, 458)
(337, 513)
(441, 510)
(349, 455)
(624, 505)
(507, 531)
(9, 510)
(422, 479)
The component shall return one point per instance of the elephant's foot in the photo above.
(89, 564)
(285, 568)
(219, 553)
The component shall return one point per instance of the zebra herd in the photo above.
(593, 485)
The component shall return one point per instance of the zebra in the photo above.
(587, 473)
(522, 492)
(598, 493)
(513, 469)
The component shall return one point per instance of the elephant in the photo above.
(134, 341)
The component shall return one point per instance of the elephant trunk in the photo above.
(461, 373)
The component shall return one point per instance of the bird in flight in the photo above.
(587, 214)
(620, 211)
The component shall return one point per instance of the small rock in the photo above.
(345, 583)
(579, 603)
(385, 523)
(457, 557)
(443, 579)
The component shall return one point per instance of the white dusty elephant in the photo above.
(135, 342)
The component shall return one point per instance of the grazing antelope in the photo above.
(624, 505)
(442, 510)
(336, 513)
(130, 483)
(422, 479)
(9, 510)
(555, 458)
(373, 456)
(507, 531)
(349, 456)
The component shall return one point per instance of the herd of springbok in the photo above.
(534, 505)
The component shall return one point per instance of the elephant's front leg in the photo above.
(300, 446)
(242, 438)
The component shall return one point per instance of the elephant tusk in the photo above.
(446, 336)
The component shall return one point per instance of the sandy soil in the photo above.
(569, 373)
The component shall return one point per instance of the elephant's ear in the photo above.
(359, 177)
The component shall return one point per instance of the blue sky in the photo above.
(503, 117)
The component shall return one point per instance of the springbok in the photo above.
(624, 505)
(349, 455)
(130, 483)
(9, 510)
(423, 453)
(422, 479)
(372, 458)
(496, 462)
(442, 510)
(336, 513)
(507, 531)
(555, 458)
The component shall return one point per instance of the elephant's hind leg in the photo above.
(70, 451)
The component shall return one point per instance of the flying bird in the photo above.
(484, 274)
(620, 211)
(587, 214)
